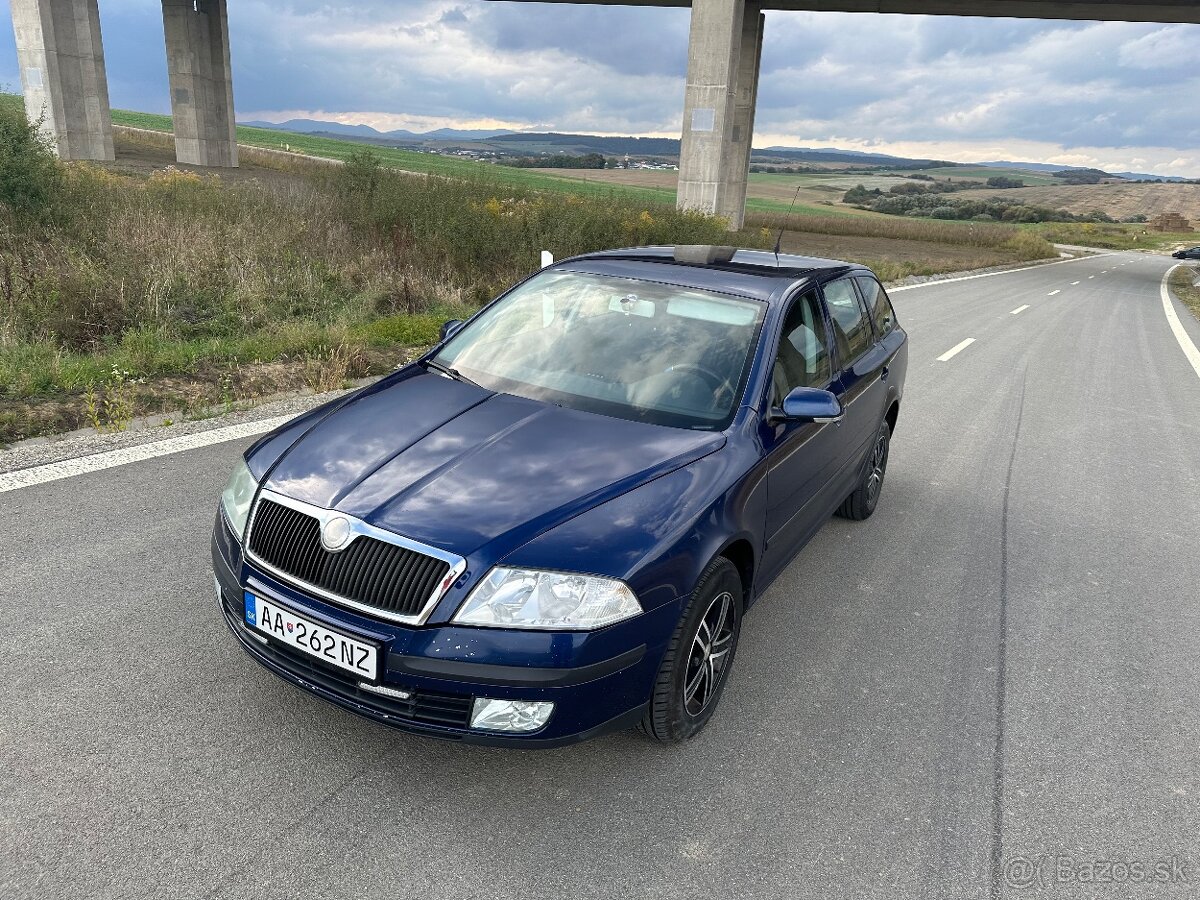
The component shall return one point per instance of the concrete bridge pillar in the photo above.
(724, 54)
(201, 78)
(62, 74)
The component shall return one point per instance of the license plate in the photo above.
(307, 636)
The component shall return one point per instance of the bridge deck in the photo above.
(1100, 10)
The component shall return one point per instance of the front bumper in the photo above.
(431, 665)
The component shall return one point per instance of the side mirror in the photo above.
(805, 404)
(449, 328)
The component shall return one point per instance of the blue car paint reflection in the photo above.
(502, 479)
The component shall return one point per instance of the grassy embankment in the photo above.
(1183, 286)
(1107, 237)
(122, 295)
(127, 294)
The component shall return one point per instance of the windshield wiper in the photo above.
(448, 372)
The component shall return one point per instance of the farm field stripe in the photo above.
(1185, 342)
(956, 349)
(96, 462)
(1061, 262)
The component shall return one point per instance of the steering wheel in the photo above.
(719, 386)
(714, 380)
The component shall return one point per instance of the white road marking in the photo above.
(1091, 277)
(1052, 293)
(1073, 283)
(1019, 309)
(68, 468)
(957, 348)
(1061, 262)
(1185, 341)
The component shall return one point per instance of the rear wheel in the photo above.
(698, 660)
(862, 502)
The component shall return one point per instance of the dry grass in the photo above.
(328, 370)
(178, 277)
(1183, 286)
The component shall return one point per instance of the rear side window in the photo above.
(851, 329)
(878, 304)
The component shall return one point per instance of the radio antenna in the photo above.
(786, 219)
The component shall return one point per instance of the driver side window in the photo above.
(803, 357)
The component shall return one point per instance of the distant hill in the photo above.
(316, 126)
(640, 146)
(1054, 167)
(312, 126)
(849, 157)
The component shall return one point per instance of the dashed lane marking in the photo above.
(1061, 262)
(956, 349)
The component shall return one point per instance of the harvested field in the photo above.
(1117, 200)
(818, 193)
(915, 257)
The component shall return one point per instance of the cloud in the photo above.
(970, 86)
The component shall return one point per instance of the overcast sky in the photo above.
(1114, 95)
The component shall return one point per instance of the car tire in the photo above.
(692, 676)
(860, 504)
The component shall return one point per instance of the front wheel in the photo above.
(699, 657)
(862, 502)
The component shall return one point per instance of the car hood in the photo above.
(458, 467)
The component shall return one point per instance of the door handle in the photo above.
(884, 374)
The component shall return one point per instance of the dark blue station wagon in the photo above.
(551, 525)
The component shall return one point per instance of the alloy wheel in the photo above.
(878, 467)
(709, 654)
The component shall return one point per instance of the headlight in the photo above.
(237, 497)
(526, 598)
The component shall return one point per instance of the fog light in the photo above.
(510, 715)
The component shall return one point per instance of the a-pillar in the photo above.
(197, 34)
(724, 54)
(62, 75)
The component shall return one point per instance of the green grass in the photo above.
(983, 173)
(409, 160)
(450, 167)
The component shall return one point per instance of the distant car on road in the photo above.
(551, 524)
(1189, 253)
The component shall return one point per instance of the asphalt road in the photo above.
(1003, 664)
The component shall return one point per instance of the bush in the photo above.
(944, 212)
(29, 170)
(860, 194)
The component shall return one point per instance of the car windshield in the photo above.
(622, 347)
